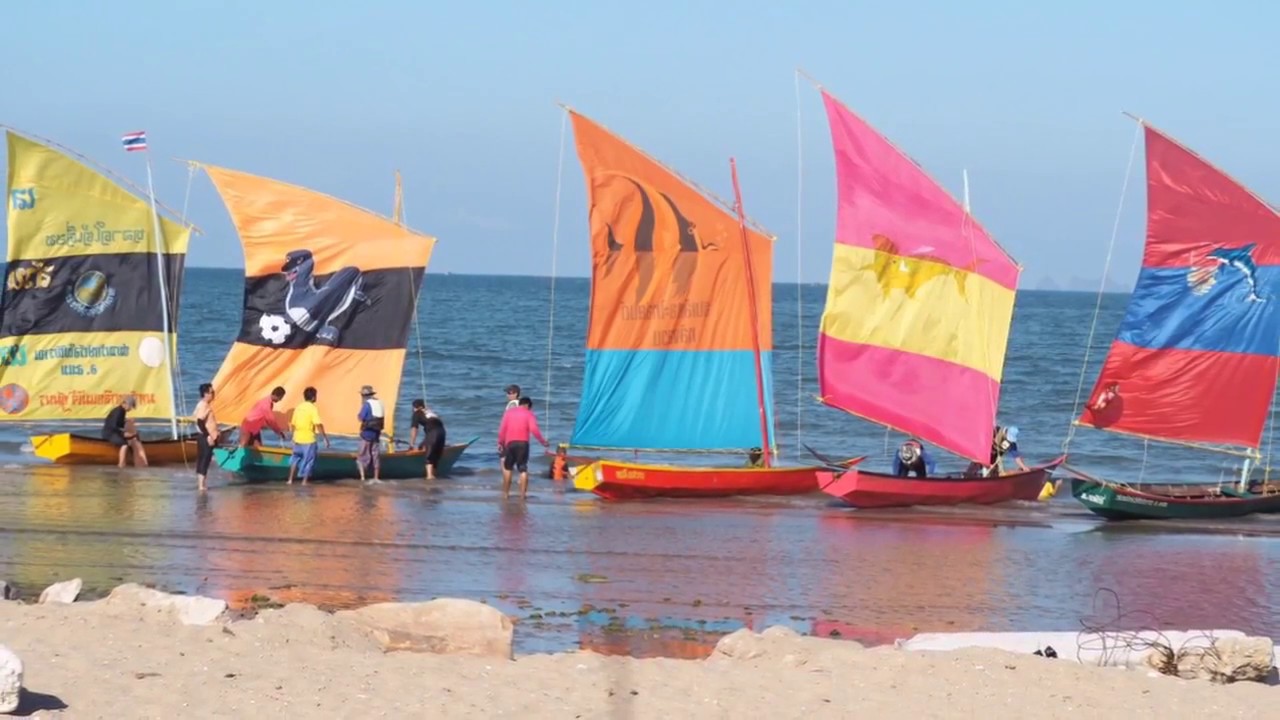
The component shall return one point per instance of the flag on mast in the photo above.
(134, 141)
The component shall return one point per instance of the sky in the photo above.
(462, 98)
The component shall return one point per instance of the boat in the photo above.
(266, 463)
(916, 321)
(331, 290)
(679, 341)
(90, 305)
(1194, 360)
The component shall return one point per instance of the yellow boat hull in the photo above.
(72, 449)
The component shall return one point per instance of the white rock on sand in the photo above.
(298, 662)
(62, 592)
(446, 626)
(188, 609)
(10, 680)
(1226, 660)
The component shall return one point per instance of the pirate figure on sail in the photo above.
(310, 307)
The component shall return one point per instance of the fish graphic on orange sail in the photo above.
(916, 322)
(679, 339)
(329, 297)
(1195, 359)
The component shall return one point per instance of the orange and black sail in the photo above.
(328, 299)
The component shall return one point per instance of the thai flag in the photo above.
(135, 141)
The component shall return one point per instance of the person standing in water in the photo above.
(513, 396)
(116, 430)
(206, 435)
(262, 415)
(433, 435)
(306, 424)
(513, 443)
(372, 419)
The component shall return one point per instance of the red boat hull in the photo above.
(630, 481)
(877, 490)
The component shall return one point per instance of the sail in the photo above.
(1195, 358)
(919, 302)
(81, 317)
(670, 361)
(328, 300)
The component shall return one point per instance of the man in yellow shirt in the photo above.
(306, 423)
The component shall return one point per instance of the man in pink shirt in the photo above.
(518, 424)
(261, 415)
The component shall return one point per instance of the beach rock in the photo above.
(1228, 660)
(300, 624)
(62, 592)
(446, 626)
(187, 609)
(782, 644)
(10, 680)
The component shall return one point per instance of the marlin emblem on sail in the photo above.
(1240, 259)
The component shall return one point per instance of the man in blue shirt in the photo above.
(372, 417)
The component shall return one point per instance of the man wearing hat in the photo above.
(372, 417)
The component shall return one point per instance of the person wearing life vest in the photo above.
(912, 457)
(1004, 447)
(372, 418)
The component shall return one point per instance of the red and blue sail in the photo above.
(1196, 356)
(671, 353)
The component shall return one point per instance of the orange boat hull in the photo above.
(73, 449)
(630, 481)
(875, 490)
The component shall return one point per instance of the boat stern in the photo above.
(54, 448)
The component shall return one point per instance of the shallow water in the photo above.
(661, 577)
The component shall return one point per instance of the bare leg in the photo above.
(124, 453)
(431, 471)
(139, 454)
(524, 484)
(292, 468)
(506, 482)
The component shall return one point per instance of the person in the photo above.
(206, 434)
(513, 396)
(513, 444)
(121, 434)
(433, 434)
(1004, 447)
(306, 424)
(755, 457)
(372, 418)
(912, 457)
(262, 415)
(560, 465)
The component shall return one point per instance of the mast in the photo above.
(755, 322)
(164, 300)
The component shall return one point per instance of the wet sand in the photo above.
(89, 661)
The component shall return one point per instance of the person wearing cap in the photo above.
(1004, 447)
(372, 418)
(118, 430)
(433, 434)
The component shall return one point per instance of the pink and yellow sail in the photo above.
(919, 303)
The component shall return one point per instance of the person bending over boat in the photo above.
(262, 415)
(912, 457)
(206, 434)
(372, 419)
(513, 444)
(1004, 447)
(755, 458)
(433, 434)
(306, 424)
(119, 431)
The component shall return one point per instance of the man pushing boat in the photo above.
(262, 415)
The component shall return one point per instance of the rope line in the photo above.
(799, 275)
(1102, 286)
(555, 254)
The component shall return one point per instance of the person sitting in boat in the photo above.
(119, 430)
(1004, 447)
(912, 457)
(262, 415)
(755, 457)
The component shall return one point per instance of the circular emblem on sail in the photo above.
(14, 398)
(275, 329)
(151, 351)
(91, 294)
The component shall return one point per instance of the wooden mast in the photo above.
(765, 447)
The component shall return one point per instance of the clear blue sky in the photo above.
(461, 97)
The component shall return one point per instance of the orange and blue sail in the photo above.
(670, 358)
(919, 303)
(1196, 356)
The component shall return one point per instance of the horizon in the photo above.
(1026, 100)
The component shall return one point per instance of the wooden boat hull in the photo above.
(862, 489)
(74, 449)
(630, 481)
(1148, 501)
(267, 464)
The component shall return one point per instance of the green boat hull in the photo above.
(1170, 502)
(267, 464)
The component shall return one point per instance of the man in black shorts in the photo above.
(114, 431)
(518, 425)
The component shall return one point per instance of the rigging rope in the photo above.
(799, 276)
(1102, 286)
(555, 254)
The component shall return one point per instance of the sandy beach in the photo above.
(99, 660)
